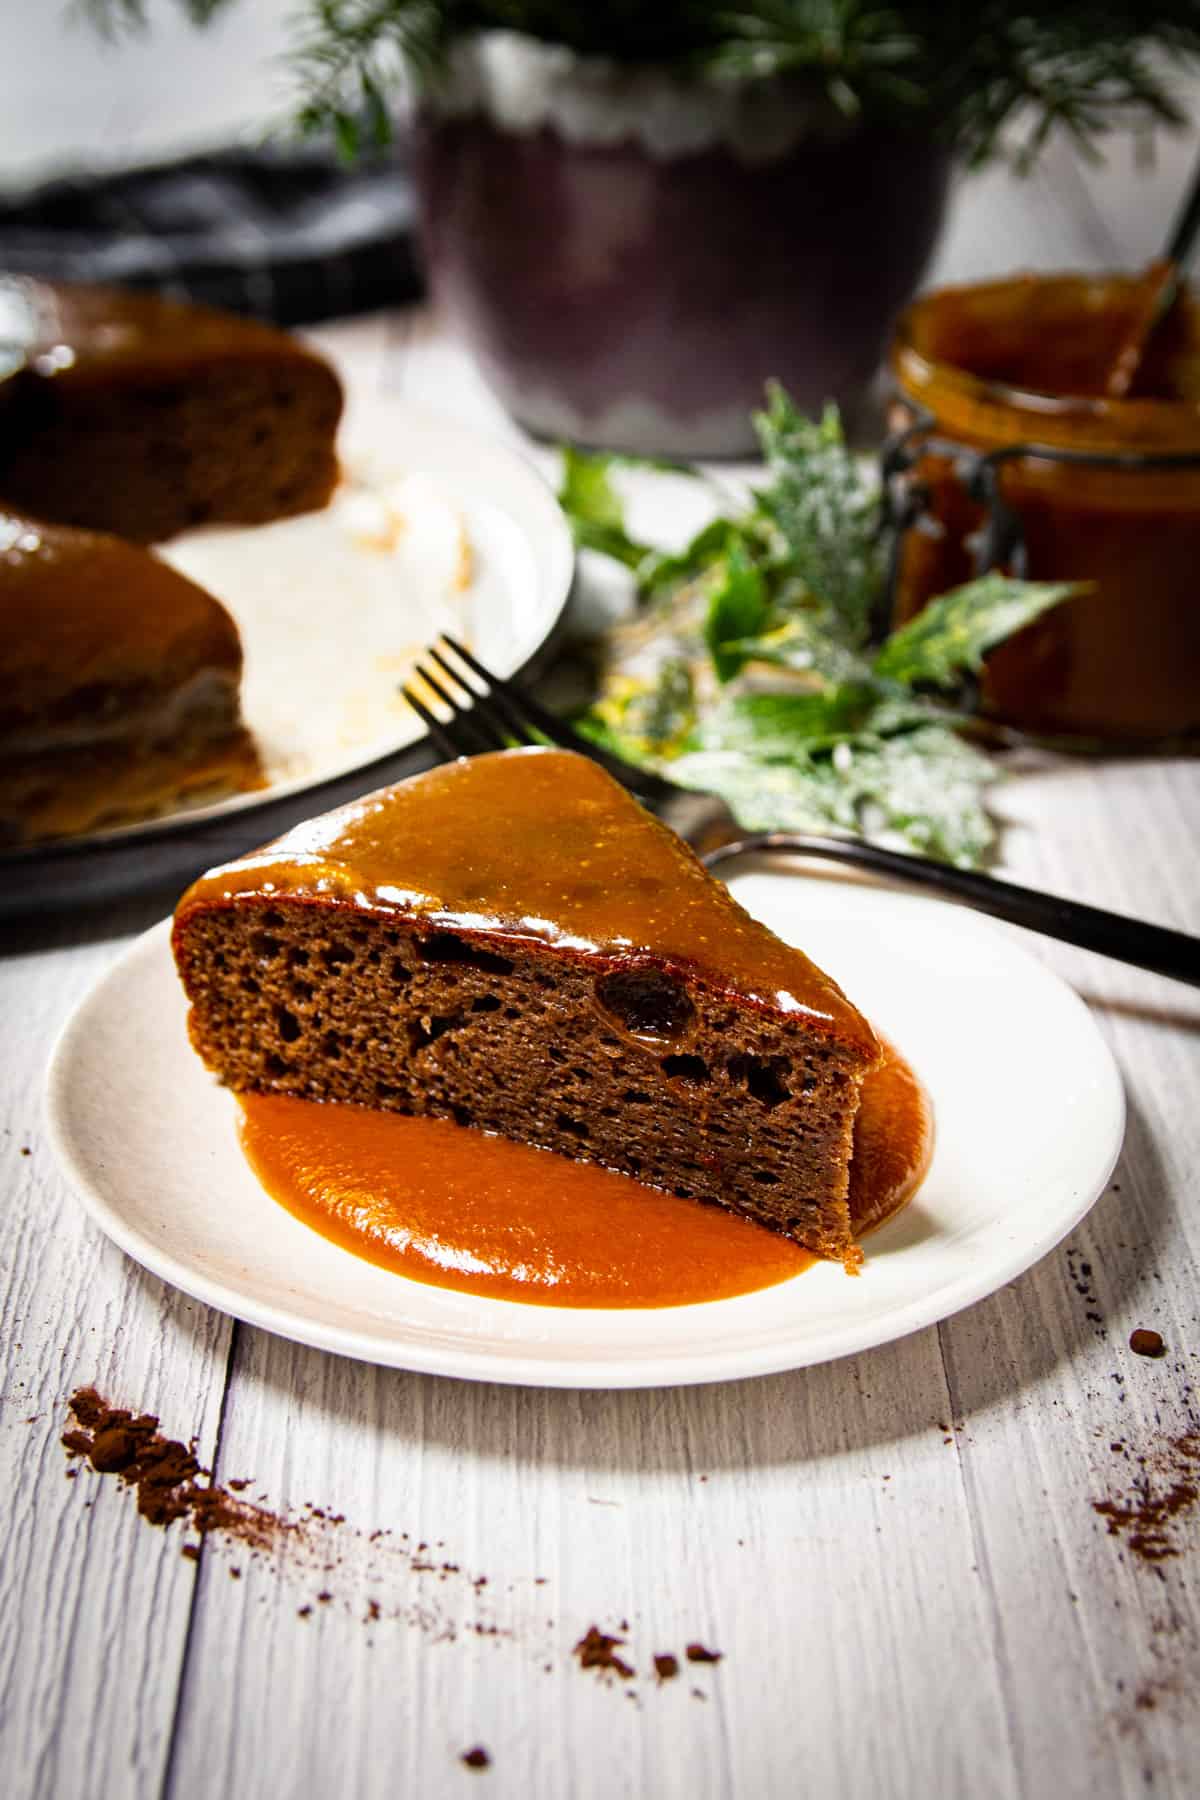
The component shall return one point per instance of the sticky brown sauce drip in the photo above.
(458, 1209)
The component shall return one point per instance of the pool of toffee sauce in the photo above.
(459, 1209)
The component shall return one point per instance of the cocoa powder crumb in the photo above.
(596, 1649)
(164, 1472)
(1146, 1343)
(88, 1407)
(696, 1653)
(1166, 1489)
(170, 1485)
(477, 1758)
(116, 1446)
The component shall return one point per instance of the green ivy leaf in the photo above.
(346, 136)
(378, 118)
(737, 608)
(925, 787)
(662, 574)
(784, 727)
(952, 635)
(802, 645)
(594, 508)
(750, 671)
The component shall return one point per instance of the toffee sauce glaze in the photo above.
(539, 844)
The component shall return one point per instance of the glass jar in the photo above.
(1009, 454)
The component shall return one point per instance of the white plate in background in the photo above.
(330, 622)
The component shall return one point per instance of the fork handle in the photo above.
(1153, 947)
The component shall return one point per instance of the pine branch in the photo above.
(983, 76)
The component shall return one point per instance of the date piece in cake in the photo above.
(119, 685)
(146, 417)
(512, 943)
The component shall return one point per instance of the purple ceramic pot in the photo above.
(631, 255)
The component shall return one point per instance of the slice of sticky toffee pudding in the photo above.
(512, 943)
(119, 685)
(146, 417)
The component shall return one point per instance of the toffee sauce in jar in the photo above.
(1024, 362)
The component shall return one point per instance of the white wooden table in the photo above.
(897, 1554)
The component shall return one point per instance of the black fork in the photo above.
(486, 713)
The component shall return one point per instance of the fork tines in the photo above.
(485, 712)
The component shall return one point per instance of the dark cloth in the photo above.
(288, 235)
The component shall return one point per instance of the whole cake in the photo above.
(512, 943)
(145, 417)
(119, 684)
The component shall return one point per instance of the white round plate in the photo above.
(1029, 1121)
(332, 610)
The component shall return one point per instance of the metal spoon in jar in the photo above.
(1159, 287)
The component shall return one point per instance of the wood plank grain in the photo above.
(1100, 1650)
(812, 1527)
(95, 1603)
